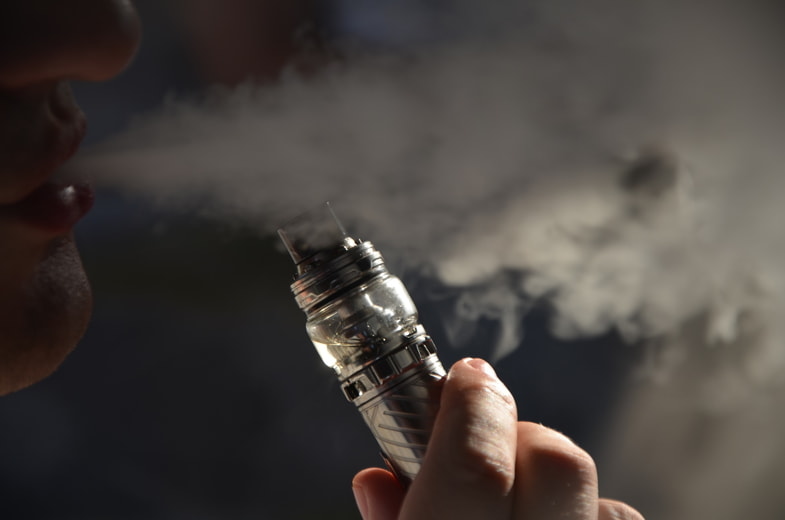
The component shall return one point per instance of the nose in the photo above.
(46, 40)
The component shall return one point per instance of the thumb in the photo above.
(378, 494)
(469, 467)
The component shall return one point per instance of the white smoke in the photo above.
(509, 153)
(624, 157)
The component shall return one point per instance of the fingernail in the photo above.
(482, 366)
(362, 502)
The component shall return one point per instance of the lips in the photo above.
(53, 208)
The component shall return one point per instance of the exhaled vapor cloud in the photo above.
(623, 157)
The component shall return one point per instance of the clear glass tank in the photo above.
(364, 323)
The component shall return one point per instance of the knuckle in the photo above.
(557, 478)
(563, 465)
(485, 455)
(478, 424)
(485, 466)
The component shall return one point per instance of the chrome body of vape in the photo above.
(365, 326)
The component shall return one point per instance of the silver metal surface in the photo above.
(365, 327)
(402, 414)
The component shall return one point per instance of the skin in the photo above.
(481, 464)
(44, 294)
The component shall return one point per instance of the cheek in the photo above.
(45, 304)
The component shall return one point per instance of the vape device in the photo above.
(365, 326)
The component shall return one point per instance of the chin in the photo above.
(45, 304)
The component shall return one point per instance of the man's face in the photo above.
(45, 298)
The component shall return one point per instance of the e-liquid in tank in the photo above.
(365, 326)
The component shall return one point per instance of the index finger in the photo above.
(469, 468)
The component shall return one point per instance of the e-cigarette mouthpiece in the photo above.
(365, 326)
